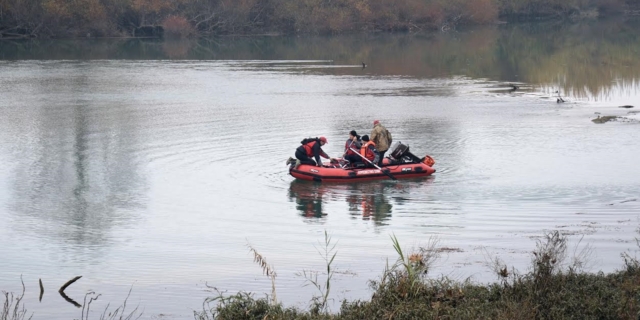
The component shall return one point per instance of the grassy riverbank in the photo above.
(554, 288)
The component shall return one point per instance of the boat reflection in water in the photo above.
(368, 200)
(308, 197)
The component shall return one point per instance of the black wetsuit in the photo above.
(301, 154)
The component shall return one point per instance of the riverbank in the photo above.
(557, 287)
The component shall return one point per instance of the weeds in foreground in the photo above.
(13, 308)
(267, 270)
(242, 305)
(319, 303)
(632, 263)
(118, 314)
(408, 273)
(550, 290)
(417, 264)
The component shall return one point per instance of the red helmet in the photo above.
(323, 139)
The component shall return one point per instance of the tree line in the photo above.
(189, 18)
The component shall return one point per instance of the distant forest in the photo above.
(193, 18)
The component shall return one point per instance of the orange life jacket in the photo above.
(308, 148)
(366, 152)
(428, 161)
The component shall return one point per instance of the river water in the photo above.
(152, 166)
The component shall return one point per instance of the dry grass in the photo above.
(552, 289)
(119, 313)
(267, 270)
(328, 254)
(13, 308)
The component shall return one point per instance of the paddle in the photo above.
(349, 147)
(385, 172)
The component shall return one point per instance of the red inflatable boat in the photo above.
(401, 165)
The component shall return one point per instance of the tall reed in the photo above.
(328, 254)
(13, 307)
(267, 270)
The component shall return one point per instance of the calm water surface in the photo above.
(155, 164)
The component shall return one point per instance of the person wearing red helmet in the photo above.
(309, 148)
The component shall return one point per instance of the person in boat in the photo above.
(382, 139)
(311, 148)
(353, 143)
(369, 151)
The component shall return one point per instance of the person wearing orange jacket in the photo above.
(368, 150)
(311, 148)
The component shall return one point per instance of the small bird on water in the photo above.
(364, 65)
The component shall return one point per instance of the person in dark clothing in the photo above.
(368, 150)
(353, 143)
(311, 148)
